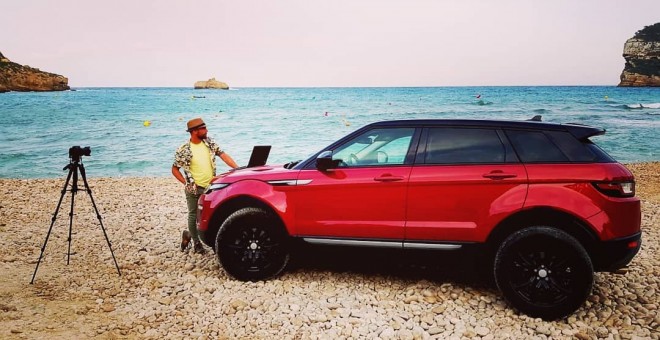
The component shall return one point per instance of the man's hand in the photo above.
(191, 188)
(177, 174)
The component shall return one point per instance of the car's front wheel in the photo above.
(543, 272)
(252, 245)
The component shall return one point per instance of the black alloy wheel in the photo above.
(543, 272)
(251, 245)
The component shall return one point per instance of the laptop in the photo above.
(259, 155)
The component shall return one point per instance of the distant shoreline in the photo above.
(342, 87)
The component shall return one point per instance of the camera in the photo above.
(75, 152)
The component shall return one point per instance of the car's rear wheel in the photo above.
(252, 245)
(543, 272)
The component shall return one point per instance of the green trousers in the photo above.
(192, 199)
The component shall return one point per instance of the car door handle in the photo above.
(499, 174)
(388, 178)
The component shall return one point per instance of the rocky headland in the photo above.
(17, 77)
(642, 54)
(211, 84)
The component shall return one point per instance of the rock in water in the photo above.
(642, 54)
(211, 84)
(17, 77)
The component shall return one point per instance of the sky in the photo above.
(342, 43)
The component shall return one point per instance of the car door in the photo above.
(464, 181)
(364, 196)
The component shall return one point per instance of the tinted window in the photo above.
(376, 147)
(535, 146)
(601, 155)
(462, 145)
(571, 147)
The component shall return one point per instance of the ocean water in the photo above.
(37, 129)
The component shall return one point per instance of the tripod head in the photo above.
(75, 152)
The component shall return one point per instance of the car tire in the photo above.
(252, 245)
(543, 272)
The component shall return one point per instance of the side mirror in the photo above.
(324, 161)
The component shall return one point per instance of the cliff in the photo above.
(16, 77)
(211, 84)
(642, 54)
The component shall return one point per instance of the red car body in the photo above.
(412, 200)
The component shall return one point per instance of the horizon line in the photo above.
(345, 87)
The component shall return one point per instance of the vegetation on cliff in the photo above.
(642, 54)
(649, 33)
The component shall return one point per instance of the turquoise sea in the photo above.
(37, 129)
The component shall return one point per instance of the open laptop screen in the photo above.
(259, 155)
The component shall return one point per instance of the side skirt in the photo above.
(382, 244)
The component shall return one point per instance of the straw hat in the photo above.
(195, 123)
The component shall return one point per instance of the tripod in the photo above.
(75, 165)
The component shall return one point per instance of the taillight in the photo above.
(616, 189)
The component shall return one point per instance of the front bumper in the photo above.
(203, 220)
(609, 256)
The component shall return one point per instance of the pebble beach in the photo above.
(165, 293)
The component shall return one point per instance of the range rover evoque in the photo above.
(540, 201)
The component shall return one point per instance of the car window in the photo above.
(535, 146)
(375, 147)
(463, 145)
(571, 147)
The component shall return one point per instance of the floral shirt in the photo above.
(183, 156)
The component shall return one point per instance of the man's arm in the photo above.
(228, 160)
(177, 174)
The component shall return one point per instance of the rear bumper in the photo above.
(609, 256)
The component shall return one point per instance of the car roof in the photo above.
(579, 131)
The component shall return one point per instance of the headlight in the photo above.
(215, 186)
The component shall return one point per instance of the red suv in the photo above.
(540, 201)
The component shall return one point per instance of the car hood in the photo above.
(259, 173)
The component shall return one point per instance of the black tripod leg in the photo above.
(74, 190)
(98, 215)
(52, 222)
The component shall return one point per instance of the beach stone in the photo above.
(428, 319)
(582, 336)
(405, 334)
(602, 332)
(410, 299)
(387, 333)
(482, 331)
(439, 309)
(435, 330)
(543, 329)
(238, 304)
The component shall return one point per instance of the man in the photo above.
(197, 159)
